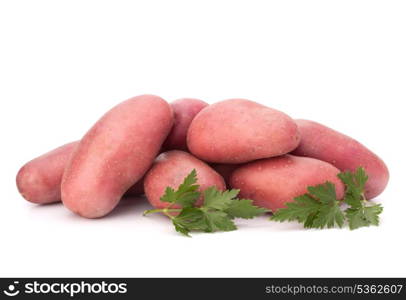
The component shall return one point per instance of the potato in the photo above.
(238, 130)
(170, 169)
(272, 182)
(114, 154)
(347, 154)
(39, 180)
(184, 111)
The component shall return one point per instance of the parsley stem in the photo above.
(165, 211)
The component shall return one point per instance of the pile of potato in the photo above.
(144, 144)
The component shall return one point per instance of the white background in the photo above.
(64, 63)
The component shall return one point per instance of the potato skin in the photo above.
(170, 168)
(238, 131)
(39, 180)
(272, 182)
(321, 142)
(114, 154)
(184, 110)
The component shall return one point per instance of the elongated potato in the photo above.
(114, 154)
(275, 181)
(347, 154)
(39, 180)
(184, 111)
(170, 168)
(238, 130)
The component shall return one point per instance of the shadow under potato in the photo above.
(129, 205)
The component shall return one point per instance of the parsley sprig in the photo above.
(217, 213)
(360, 212)
(320, 208)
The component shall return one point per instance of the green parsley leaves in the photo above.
(186, 194)
(217, 213)
(360, 212)
(320, 208)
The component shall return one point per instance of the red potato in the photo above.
(170, 169)
(184, 111)
(39, 180)
(272, 182)
(347, 154)
(238, 130)
(114, 154)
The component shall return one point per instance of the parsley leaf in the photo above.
(186, 194)
(319, 207)
(354, 187)
(243, 208)
(371, 214)
(213, 198)
(301, 209)
(360, 212)
(218, 221)
(190, 218)
(355, 218)
(329, 216)
(325, 193)
(216, 214)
